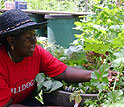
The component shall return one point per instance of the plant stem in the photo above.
(108, 89)
(114, 85)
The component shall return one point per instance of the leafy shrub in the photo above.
(52, 5)
(2, 4)
(103, 34)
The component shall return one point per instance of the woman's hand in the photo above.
(112, 76)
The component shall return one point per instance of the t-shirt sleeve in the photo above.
(5, 92)
(50, 65)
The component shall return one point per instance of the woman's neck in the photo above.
(13, 56)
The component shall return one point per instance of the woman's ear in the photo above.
(10, 40)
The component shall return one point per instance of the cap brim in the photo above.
(24, 27)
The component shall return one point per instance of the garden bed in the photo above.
(61, 98)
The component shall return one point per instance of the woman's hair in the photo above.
(3, 41)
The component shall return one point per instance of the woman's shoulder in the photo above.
(40, 51)
(38, 48)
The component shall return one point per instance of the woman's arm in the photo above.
(73, 74)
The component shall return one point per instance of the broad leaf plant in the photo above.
(103, 34)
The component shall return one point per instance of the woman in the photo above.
(21, 60)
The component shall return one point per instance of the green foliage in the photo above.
(66, 5)
(47, 84)
(72, 56)
(91, 103)
(56, 50)
(98, 83)
(114, 99)
(2, 4)
(99, 78)
(52, 5)
(103, 34)
(76, 97)
(119, 58)
(102, 31)
(82, 4)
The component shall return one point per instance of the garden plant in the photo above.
(2, 4)
(64, 5)
(103, 41)
(99, 48)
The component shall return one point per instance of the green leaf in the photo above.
(76, 53)
(118, 42)
(48, 84)
(104, 67)
(96, 46)
(40, 78)
(105, 81)
(114, 96)
(118, 61)
(56, 85)
(105, 74)
(39, 87)
(78, 99)
(94, 82)
(100, 87)
(77, 23)
(77, 56)
(95, 75)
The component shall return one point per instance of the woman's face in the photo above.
(24, 44)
